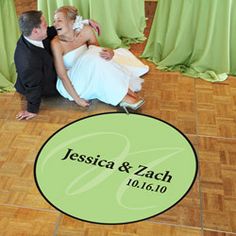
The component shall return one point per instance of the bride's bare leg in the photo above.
(132, 102)
(129, 99)
(132, 94)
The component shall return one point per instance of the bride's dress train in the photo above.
(95, 78)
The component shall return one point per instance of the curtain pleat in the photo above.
(9, 34)
(195, 37)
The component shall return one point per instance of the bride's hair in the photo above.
(69, 11)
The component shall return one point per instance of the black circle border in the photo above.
(106, 113)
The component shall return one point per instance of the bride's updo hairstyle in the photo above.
(69, 11)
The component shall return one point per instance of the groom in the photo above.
(36, 75)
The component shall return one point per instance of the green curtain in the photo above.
(195, 37)
(9, 34)
(122, 21)
(48, 7)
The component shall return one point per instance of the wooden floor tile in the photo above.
(216, 108)
(215, 233)
(171, 97)
(72, 227)
(218, 174)
(17, 186)
(19, 221)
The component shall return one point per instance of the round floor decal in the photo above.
(115, 168)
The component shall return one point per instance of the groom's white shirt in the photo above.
(35, 42)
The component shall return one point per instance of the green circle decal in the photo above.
(115, 168)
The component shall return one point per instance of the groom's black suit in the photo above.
(36, 75)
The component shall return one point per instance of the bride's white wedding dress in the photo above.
(95, 78)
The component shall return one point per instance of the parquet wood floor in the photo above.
(205, 112)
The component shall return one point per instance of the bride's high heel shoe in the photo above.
(133, 106)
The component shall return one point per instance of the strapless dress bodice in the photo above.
(71, 57)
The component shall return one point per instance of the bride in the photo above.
(86, 71)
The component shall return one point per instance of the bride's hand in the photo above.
(83, 103)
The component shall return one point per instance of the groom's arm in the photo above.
(51, 32)
(29, 84)
(95, 26)
(31, 79)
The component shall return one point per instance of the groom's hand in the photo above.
(95, 26)
(25, 115)
(107, 53)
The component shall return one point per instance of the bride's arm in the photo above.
(61, 72)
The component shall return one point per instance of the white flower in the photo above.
(79, 23)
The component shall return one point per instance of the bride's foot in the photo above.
(132, 103)
(133, 106)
